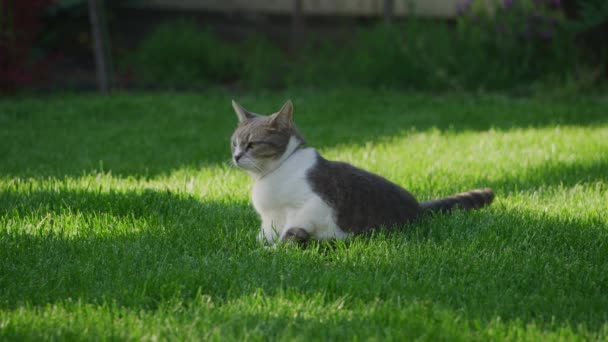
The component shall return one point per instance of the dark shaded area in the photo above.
(473, 49)
(149, 135)
(67, 36)
(491, 261)
(22, 202)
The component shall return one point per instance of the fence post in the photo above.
(297, 25)
(389, 8)
(100, 46)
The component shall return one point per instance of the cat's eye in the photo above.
(251, 145)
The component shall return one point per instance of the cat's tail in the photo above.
(473, 199)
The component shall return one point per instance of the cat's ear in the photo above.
(283, 118)
(242, 113)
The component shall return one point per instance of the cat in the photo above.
(301, 196)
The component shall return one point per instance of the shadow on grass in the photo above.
(149, 135)
(91, 245)
(141, 249)
(549, 174)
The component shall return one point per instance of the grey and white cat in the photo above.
(299, 195)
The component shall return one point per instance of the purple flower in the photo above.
(507, 3)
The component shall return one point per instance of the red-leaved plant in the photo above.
(20, 24)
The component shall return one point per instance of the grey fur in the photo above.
(361, 200)
(260, 139)
(473, 199)
(296, 234)
(264, 137)
(242, 113)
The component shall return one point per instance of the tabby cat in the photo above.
(299, 195)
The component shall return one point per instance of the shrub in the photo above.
(590, 22)
(511, 46)
(181, 54)
(262, 64)
(520, 42)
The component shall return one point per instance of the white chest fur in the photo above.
(284, 199)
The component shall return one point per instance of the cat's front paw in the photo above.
(296, 234)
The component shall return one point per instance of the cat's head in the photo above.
(261, 142)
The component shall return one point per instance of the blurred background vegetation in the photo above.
(513, 45)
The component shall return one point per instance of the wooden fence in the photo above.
(370, 8)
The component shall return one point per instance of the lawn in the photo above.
(122, 218)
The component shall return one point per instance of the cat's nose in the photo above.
(237, 157)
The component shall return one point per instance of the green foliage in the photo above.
(180, 53)
(515, 45)
(592, 13)
(62, 5)
(435, 56)
(504, 49)
(412, 56)
(262, 63)
(121, 220)
(508, 48)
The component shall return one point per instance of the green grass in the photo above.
(121, 218)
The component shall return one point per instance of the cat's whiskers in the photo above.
(228, 162)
